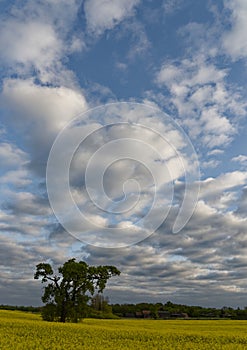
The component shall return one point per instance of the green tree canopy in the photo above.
(67, 293)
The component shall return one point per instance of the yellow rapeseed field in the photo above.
(19, 330)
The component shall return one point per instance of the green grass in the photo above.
(19, 330)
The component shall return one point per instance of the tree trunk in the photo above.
(63, 313)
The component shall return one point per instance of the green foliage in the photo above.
(100, 308)
(32, 309)
(49, 312)
(130, 310)
(66, 295)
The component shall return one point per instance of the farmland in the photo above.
(19, 330)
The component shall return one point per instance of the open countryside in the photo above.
(21, 330)
(123, 174)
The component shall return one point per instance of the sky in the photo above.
(123, 142)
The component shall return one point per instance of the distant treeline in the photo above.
(101, 309)
(170, 310)
(33, 309)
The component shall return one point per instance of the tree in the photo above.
(100, 303)
(66, 295)
(100, 307)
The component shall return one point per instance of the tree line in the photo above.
(99, 307)
(172, 310)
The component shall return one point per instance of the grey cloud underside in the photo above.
(206, 260)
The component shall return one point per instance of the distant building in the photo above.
(146, 313)
(164, 315)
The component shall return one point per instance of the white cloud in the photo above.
(223, 182)
(122, 170)
(241, 159)
(140, 43)
(121, 66)
(215, 151)
(11, 156)
(235, 39)
(37, 38)
(19, 178)
(242, 204)
(223, 194)
(25, 203)
(102, 15)
(40, 112)
(45, 107)
(171, 6)
(212, 163)
(32, 44)
(205, 104)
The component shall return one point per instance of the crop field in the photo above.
(19, 330)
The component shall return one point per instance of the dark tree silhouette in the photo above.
(66, 295)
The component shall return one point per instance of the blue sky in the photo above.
(184, 62)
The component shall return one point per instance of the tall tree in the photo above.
(66, 294)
